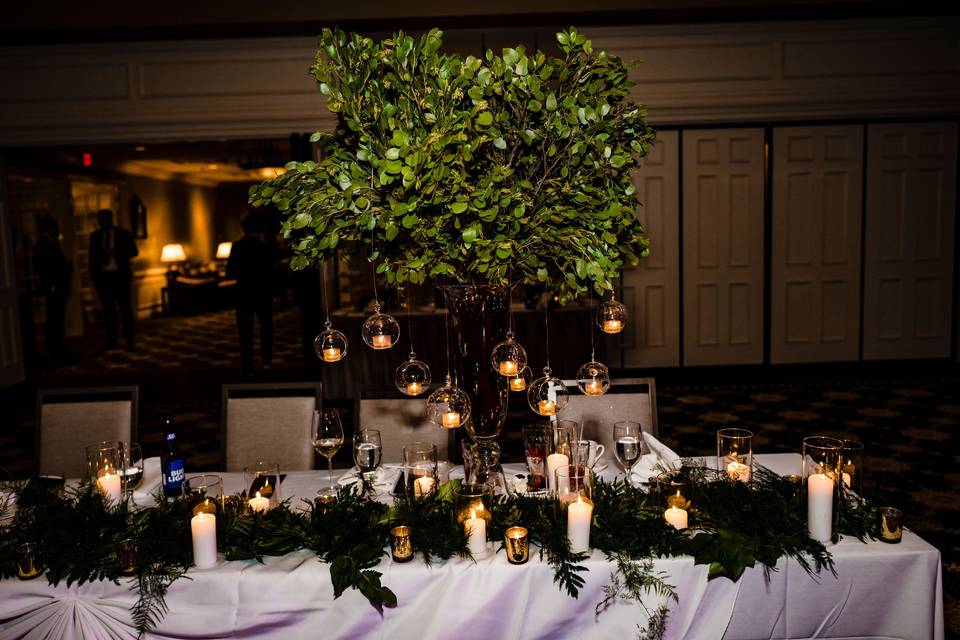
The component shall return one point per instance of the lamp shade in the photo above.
(172, 253)
(223, 250)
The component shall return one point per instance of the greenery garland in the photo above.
(732, 526)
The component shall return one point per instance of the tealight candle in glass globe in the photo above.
(611, 316)
(547, 395)
(413, 376)
(381, 330)
(330, 345)
(508, 357)
(593, 379)
(448, 406)
(521, 381)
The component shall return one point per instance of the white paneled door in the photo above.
(909, 240)
(651, 290)
(11, 353)
(815, 258)
(723, 246)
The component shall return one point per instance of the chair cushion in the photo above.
(270, 430)
(401, 422)
(67, 428)
(597, 415)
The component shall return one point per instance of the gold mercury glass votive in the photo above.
(28, 561)
(400, 546)
(518, 545)
(891, 525)
(127, 556)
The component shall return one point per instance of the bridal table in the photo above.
(880, 591)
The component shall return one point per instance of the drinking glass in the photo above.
(537, 443)
(626, 436)
(132, 472)
(420, 468)
(327, 437)
(565, 434)
(366, 453)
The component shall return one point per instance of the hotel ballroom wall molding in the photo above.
(694, 74)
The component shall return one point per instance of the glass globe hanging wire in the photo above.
(547, 395)
(413, 376)
(330, 345)
(521, 381)
(508, 357)
(611, 316)
(448, 406)
(593, 378)
(381, 330)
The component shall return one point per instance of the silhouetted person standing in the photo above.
(111, 250)
(251, 264)
(53, 271)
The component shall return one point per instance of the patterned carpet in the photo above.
(911, 428)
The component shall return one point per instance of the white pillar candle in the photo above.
(676, 516)
(820, 507)
(109, 486)
(423, 485)
(738, 471)
(203, 528)
(259, 504)
(476, 529)
(554, 462)
(579, 517)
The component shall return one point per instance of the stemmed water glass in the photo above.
(327, 437)
(366, 454)
(626, 436)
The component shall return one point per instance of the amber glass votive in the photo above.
(127, 556)
(28, 561)
(891, 525)
(400, 546)
(518, 545)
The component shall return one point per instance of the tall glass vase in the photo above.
(478, 314)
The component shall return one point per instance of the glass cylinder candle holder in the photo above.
(821, 464)
(473, 504)
(401, 548)
(537, 445)
(675, 499)
(891, 525)
(574, 491)
(735, 454)
(262, 482)
(127, 556)
(851, 469)
(204, 493)
(420, 468)
(517, 542)
(28, 561)
(564, 437)
(105, 466)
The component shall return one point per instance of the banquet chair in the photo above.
(633, 399)
(401, 420)
(269, 422)
(68, 420)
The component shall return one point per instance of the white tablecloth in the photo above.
(882, 591)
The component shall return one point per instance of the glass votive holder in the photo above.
(401, 548)
(820, 465)
(675, 493)
(517, 542)
(735, 454)
(473, 511)
(127, 556)
(420, 468)
(262, 481)
(28, 561)
(105, 465)
(851, 468)
(891, 525)
(204, 493)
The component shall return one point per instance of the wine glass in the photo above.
(327, 437)
(366, 454)
(132, 471)
(626, 435)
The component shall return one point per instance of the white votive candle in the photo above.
(259, 503)
(423, 486)
(203, 528)
(738, 471)
(593, 387)
(508, 368)
(579, 517)
(331, 354)
(451, 419)
(676, 516)
(476, 529)
(820, 507)
(547, 407)
(517, 384)
(554, 462)
(413, 388)
(612, 326)
(109, 486)
(382, 341)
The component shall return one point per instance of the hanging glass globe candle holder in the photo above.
(611, 316)
(547, 395)
(593, 378)
(413, 376)
(330, 345)
(381, 330)
(521, 381)
(508, 357)
(448, 406)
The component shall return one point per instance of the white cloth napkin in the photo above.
(143, 495)
(652, 464)
(384, 478)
